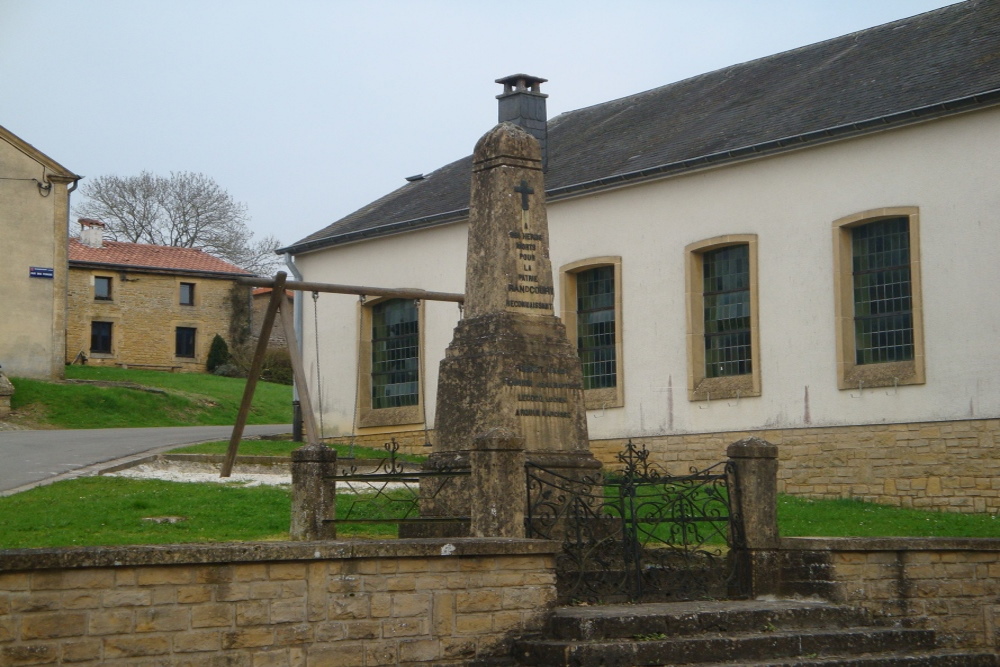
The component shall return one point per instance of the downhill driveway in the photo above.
(30, 458)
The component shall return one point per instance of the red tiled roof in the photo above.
(141, 255)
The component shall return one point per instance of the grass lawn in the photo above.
(95, 511)
(176, 399)
(802, 517)
(99, 511)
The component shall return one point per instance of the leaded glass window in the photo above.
(395, 354)
(595, 330)
(727, 311)
(883, 300)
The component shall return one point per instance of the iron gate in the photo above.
(636, 533)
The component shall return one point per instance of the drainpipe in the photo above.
(297, 310)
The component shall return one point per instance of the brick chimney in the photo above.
(91, 232)
(523, 104)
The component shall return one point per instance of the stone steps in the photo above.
(731, 633)
(938, 658)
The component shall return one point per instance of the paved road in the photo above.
(28, 458)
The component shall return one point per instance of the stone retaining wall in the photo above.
(406, 602)
(948, 585)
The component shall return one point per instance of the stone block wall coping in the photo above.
(889, 544)
(752, 448)
(255, 552)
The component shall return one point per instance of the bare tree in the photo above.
(185, 209)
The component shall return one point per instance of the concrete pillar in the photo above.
(754, 498)
(313, 495)
(499, 488)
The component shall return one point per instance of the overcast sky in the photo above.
(306, 110)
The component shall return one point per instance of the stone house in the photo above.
(261, 298)
(34, 218)
(802, 247)
(148, 306)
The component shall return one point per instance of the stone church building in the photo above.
(802, 247)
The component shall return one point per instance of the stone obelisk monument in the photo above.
(510, 371)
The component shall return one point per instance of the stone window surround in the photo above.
(700, 387)
(604, 397)
(850, 375)
(114, 321)
(381, 418)
(111, 292)
(194, 293)
(199, 343)
(194, 351)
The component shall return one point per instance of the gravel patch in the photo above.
(198, 472)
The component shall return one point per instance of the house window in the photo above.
(880, 338)
(726, 299)
(184, 342)
(723, 346)
(102, 288)
(100, 337)
(395, 363)
(591, 311)
(187, 294)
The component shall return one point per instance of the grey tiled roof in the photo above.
(940, 62)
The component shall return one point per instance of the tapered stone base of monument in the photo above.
(508, 372)
(510, 368)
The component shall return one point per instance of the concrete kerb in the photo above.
(98, 468)
(121, 463)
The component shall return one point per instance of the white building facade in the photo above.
(832, 291)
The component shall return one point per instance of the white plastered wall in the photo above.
(948, 168)
(31, 224)
(431, 259)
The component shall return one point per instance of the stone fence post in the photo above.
(6, 391)
(314, 498)
(499, 487)
(754, 498)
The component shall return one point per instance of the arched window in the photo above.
(591, 311)
(723, 346)
(878, 298)
(395, 365)
(390, 388)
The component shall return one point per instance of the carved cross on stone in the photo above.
(524, 191)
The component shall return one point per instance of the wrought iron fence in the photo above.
(390, 493)
(637, 533)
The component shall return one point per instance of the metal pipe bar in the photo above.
(359, 290)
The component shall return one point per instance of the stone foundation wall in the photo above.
(948, 585)
(405, 602)
(950, 466)
(410, 442)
